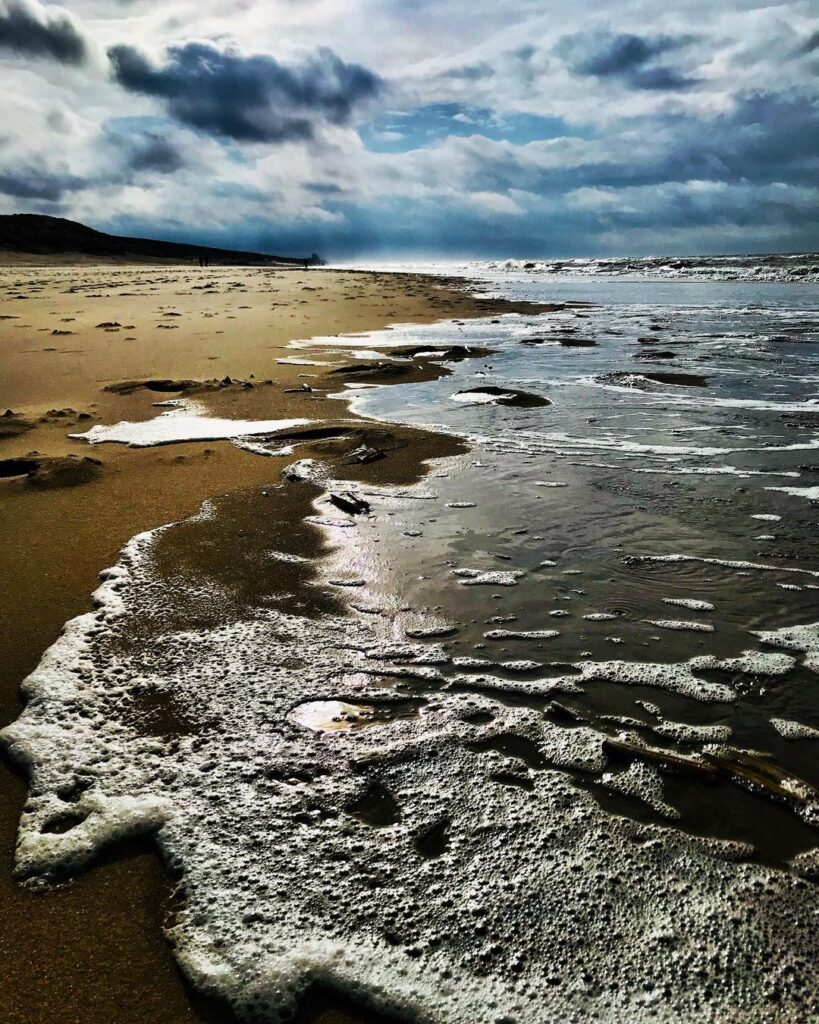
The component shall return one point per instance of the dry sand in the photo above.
(92, 951)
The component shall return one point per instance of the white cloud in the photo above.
(628, 164)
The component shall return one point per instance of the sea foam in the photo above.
(187, 422)
(302, 853)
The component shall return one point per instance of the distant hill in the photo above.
(31, 235)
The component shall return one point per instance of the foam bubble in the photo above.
(530, 634)
(480, 397)
(179, 425)
(810, 493)
(794, 730)
(642, 782)
(804, 639)
(491, 577)
(725, 562)
(689, 602)
(677, 677)
(682, 625)
(684, 732)
(752, 663)
(306, 471)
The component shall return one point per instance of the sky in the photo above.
(418, 128)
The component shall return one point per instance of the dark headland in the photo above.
(29, 236)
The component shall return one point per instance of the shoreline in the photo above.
(67, 536)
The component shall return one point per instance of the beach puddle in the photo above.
(339, 716)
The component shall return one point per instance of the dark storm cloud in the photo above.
(616, 55)
(323, 188)
(766, 137)
(26, 31)
(626, 57)
(151, 152)
(120, 160)
(811, 44)
(36, 185)
(126, 148)
(660, 78)
(248, 98)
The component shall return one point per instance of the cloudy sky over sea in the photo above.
(544, 127)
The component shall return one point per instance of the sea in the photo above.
(551, 753)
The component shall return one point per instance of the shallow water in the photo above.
(614, 469)
(484, 849)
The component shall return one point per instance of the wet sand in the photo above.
(92, 950)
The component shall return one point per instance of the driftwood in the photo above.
(664, 759)
(349, 502)
(562, 712)
(749, 768)
(735, 764)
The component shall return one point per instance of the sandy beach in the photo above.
(93, 947)
(329, 587)
(409, 476)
